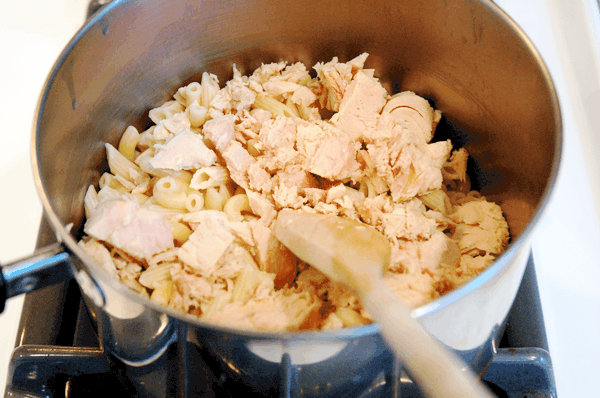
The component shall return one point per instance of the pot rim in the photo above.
(98, 273)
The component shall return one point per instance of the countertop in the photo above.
(566, 244)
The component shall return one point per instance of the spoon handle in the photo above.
(437, 371)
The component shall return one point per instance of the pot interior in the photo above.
(466, 57)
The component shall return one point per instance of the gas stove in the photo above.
(562, 270)
(58, 354)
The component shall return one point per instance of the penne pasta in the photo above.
(246, 283)
(213, 200)
(165, 111)
(128, 142)
(276, 108)
(163, 293)
(171, 185)
(437, 200)
(189, 94)
(210, 88)
(197, 114)
(171, 200)
(120, 165)
(90, 201)
(213, 308)
(211, 176)
(156, 275)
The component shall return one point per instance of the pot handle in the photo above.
(47, 266)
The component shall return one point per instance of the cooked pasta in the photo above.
(165, 111)
(171, 200)
(194, 202)
(275, 107)
(121, 166)
(128, 142)
(186, 214)
(211, 176)
(163, 293)
(189, 94)
(171, 185)
(155, 276)
(210, 88)
(197, 114)
(213, 200)
(437, 200)
(236, 206)
(181, 233)
(90, 200)
(111, 181)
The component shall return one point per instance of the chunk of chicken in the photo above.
(100, 253)
(481, 228)
(185, 151)
(206, 245)
(219, 131)
(360, 107)
(124, 224)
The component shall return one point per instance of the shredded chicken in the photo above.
(235, 156)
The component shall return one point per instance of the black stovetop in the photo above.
(58, 355)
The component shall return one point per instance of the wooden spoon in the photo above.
(354, 254)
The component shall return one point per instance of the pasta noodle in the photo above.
(155, 276)
(110, 181)
(189, 94)
(198, 194)
(235, 206)
(275, 107)
(165, 111)
(170, 184)
(437, 200)
(167, 212)
(120, 165)
(147, 139)
(181, 233)
(211, 176)
(171, 200)
(214, 199)
(210, 88)
(197, 114)
(253, 147)
(128, 142)
(163, 293)
(194, 202)
(141, 198)
(90, 200)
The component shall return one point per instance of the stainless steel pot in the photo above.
(467, 56)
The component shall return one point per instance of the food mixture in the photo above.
(186, 214)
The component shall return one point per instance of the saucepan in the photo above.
(465, 56)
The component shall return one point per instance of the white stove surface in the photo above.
(566, 246)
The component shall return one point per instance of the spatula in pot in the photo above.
(354, 255)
